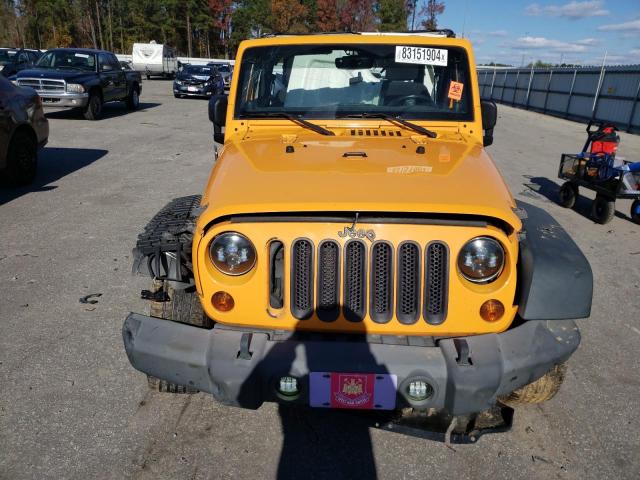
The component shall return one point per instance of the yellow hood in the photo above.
(257, 175)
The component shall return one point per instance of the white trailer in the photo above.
(154, 59)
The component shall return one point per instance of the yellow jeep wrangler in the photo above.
(356, 246)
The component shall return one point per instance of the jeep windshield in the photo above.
(338, 81)
(68, 59)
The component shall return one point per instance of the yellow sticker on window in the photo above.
(455, 90)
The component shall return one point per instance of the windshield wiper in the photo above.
(289, 116)
(392, 118)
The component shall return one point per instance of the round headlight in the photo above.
(232, 253)
(481, 260)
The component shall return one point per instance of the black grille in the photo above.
(302, 279)
(381, 300)
(355, 285)
(436, 282)
(408, 301)
(328, 281)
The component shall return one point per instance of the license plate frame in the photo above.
(353, 391)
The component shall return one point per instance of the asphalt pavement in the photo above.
(71, 406)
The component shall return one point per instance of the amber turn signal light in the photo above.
(492, 310)
(223, 301)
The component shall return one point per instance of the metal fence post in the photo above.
(504, 83)
(515, 89)
(546, 95)
(633, 108)
(573, 82)
(485, 85)
(529, 88)
(493, 81)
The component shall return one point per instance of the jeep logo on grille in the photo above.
(353, 232)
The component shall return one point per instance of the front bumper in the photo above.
(72, 100)
(199, 91)
(213, 361)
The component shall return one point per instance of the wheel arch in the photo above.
(96, 89)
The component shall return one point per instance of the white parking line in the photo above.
(633, 328)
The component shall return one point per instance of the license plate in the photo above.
(362, 391)
(192, 89)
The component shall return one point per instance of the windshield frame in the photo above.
(338, 112)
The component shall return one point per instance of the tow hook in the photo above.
(157, 296)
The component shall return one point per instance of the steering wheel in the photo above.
(411, 100)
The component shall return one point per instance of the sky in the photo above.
(518, 32)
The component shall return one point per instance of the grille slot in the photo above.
(408, 301)
(302, 279)
(328, 281)
(276, 274)
(355, 285)
(381, 296)
(436, 283)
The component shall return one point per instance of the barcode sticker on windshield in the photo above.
(421, 55)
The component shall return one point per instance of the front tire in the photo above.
(133, 99)
(543, 389)
(568, 194)
(22, 159)
(635, 211)
(183, 306)
(603, 209)
(93, 110)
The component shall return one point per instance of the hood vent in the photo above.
(368, 132)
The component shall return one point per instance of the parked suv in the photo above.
(81, 78)
(12, 60)
(356, 246)
(198, 81)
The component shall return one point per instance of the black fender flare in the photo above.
(555, 280)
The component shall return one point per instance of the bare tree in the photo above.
(430, 11)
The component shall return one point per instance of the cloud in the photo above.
(572, 10)
(535, 43)
(632, 26)
(498, 33)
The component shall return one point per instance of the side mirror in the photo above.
(489, 118)
(218, 115)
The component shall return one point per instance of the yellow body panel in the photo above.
(254, 175)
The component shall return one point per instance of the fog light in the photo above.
(419, 390)
(492, 310)
(288, 386)
(223, 301)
